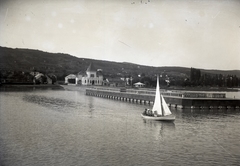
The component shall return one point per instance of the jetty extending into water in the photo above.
(177, 99)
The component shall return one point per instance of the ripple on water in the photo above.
(57, 104)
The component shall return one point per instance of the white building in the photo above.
(139, 85)
(91, 77)
(70, 79)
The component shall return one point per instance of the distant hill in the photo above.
(63, 64)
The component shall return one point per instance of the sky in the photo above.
(188, 33)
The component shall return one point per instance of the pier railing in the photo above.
(177, 99)
(181, 94)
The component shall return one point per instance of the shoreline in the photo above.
(77, 87)
(29, 85)
(22, 87)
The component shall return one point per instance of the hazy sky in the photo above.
(187, 33)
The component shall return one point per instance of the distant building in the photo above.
(70, 79)
(92, 76)
(139, 85)
(116, 82)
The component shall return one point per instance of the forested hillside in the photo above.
(61, 65)
(64, 64)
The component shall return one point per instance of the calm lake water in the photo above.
(58, 127)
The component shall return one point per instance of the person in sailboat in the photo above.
(151, 113)
(155, 114)
(147, 112)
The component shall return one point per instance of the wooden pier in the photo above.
(174, 99)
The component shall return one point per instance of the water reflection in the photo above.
(53, 128)
(204, 113)
(57, 104)
(24, 88)
(90, 106)
(161, 128)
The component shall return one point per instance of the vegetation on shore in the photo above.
(18, 63)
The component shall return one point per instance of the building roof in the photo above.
(91, 67)
(99, 73)
(39, 75)
(71, 76)
(139, 83)
(80, 73)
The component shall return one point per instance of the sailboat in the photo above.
(160, 110)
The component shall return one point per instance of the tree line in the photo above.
(20, 77)
(204, 79)
(194, 78)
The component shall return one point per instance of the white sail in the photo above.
(165, 107)
(157, 102)
(160, 107)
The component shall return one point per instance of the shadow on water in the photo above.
(209, 111)
(57, 104)
(206, 113)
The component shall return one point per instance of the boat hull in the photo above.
(159, 118)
